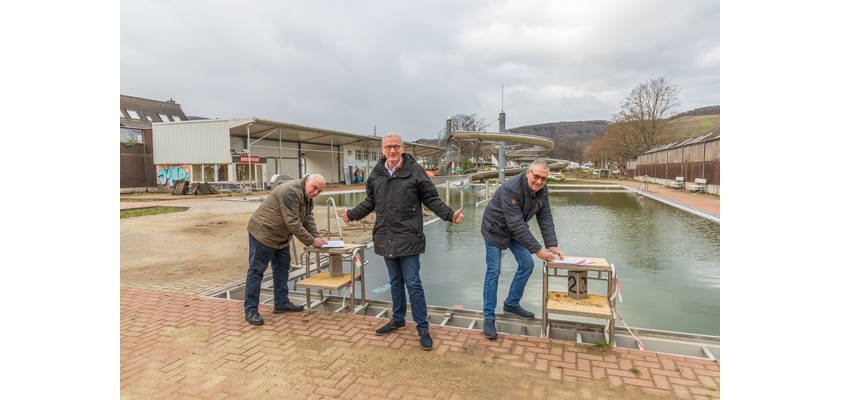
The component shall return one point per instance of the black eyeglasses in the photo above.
(538, 177)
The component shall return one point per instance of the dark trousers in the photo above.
(404, 273)
(259, 256)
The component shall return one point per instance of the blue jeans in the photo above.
(405, 271)
(493, 259)
(259, 256)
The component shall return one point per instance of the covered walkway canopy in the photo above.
(258, 129)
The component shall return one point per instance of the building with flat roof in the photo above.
(252, 150)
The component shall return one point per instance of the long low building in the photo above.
(253, 150)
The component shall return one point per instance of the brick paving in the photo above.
(701, 201)
(181, 346)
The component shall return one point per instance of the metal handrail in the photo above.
(336, 214)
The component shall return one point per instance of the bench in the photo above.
(677, 183)
(697, 186)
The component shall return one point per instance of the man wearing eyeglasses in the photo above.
(505, 226)
(397, 186)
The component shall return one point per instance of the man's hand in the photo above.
(345, 217)
(318, 242)
(458, 217)
(560, 254)
(545, 255)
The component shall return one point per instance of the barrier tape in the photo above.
(616, 313)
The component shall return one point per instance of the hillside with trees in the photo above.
(644, 122)
(571, 138)
(631, 133)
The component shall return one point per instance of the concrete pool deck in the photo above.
(176, 344)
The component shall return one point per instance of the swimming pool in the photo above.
(667, 260)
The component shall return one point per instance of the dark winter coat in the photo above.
(398, 230)
(509, 211)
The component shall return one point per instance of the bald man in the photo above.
(286, 211)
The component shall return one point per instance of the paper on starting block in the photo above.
(571, 260)
(335, 243)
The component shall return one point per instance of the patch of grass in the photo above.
(634, 370)
(145, 199)
(570, 182)
(602, 345)
(139, 212)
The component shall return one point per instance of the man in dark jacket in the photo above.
(505, 226)
(286, 211)
(396, 188)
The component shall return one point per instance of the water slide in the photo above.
(520, 153)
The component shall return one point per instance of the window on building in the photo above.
(176, 118)
(163, 117)
(359, 155)
(132, 114)
(131, 136)
(121, 114)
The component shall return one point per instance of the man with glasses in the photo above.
(396, 189)
(505, 226)
(286, 211)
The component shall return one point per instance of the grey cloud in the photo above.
(406, 67)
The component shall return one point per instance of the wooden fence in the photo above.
(692, 160)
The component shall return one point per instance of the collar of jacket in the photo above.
(304, 187)
(404, 171)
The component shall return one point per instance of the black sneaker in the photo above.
(288, 307)
(390, 326)
(253, 317)
(489, 329)
(425, 339)
(520, 311)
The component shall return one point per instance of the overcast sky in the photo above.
(406, 66)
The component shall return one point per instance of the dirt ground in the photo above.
(201, 249)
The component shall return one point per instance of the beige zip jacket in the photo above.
(284, 212)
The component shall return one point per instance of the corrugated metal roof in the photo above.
(698, 139)
(274, 130)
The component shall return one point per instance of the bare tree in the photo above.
(616, 146)
(470, 123)
(646, 108)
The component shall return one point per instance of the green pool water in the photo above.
(667, 260)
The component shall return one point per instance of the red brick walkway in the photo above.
(701, 201)
(182, 346)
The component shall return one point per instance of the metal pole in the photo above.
(145, 171)
(447, 142)
(501, 155)
(248, 151)
(448, 192)
(280, 150)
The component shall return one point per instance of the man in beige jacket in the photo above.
(286, 211)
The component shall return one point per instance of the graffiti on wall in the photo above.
(168, 174)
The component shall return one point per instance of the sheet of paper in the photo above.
(335, 243)
(571, 260)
